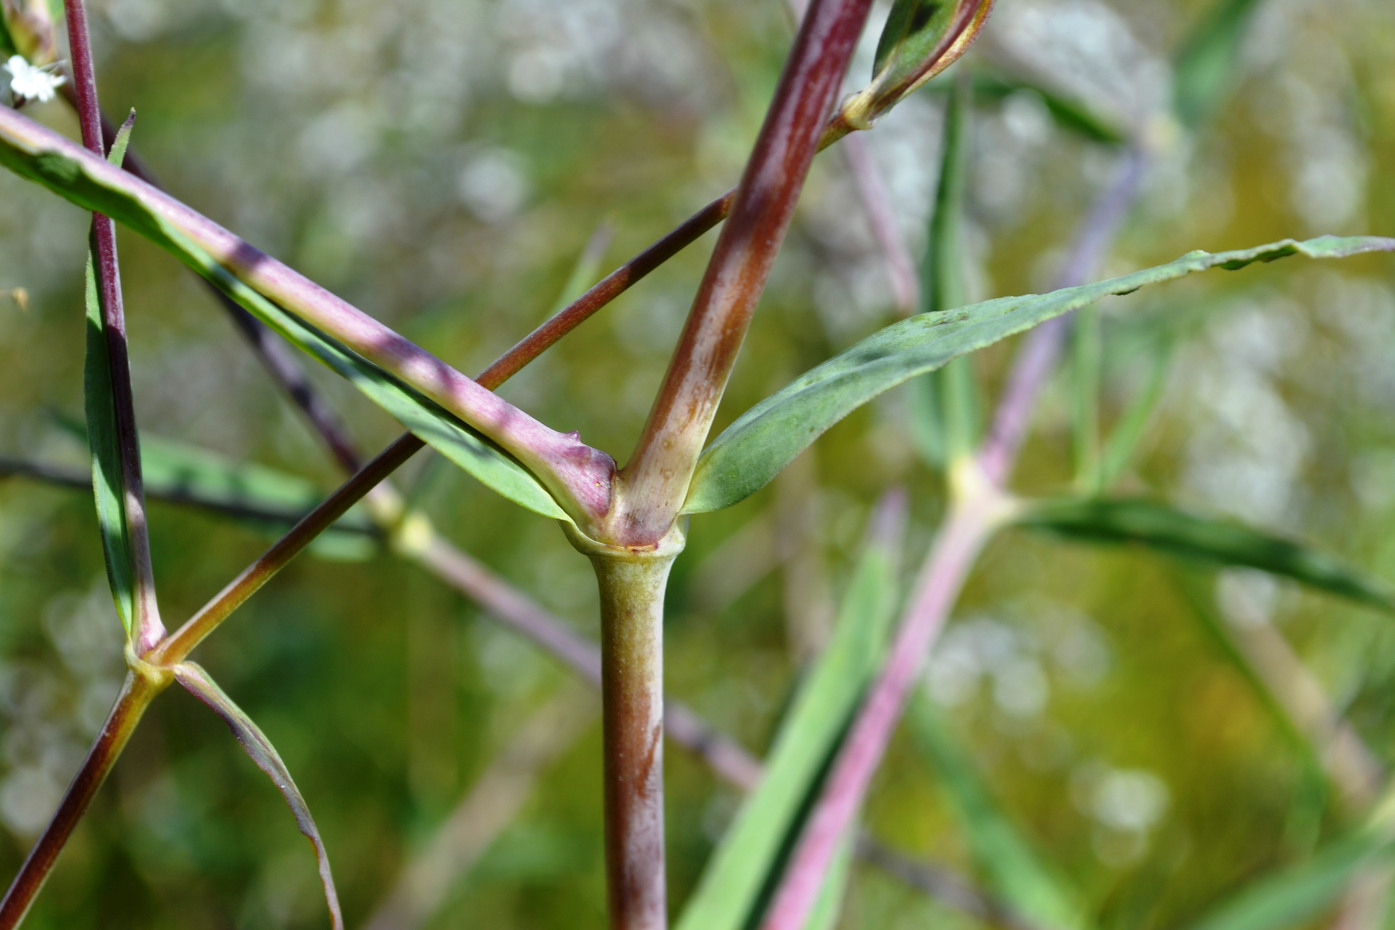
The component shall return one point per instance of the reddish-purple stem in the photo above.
(956, 547)
(135, 696)
(147, 628)
(656, 478)
(1037, 358)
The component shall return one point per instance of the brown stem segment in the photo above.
(136, 694)
(632, 583)
(657, 476)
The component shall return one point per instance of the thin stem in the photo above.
(655, 481)
(876, 201)
(971, 520)
(179, 644)
(136, 694)
(632, 584)
(1038, 356)
(147, 628)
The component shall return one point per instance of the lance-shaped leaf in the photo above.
(1207, 539)
(440, 405)
(763, 440)
(99, 401)
(743, 871)
(107, 483)
(259, 749)
(1292, 897)
(1011, 868)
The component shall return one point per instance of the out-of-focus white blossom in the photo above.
(33, 83)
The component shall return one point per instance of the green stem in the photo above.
(632, 581)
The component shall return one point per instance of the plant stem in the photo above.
(655, 481)
(975, 512)
(1038, 356)
(632, 583)
(147, 629)
(136, 693)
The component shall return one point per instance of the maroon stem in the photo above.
(135, 696)
(147, 629)
(655, 481)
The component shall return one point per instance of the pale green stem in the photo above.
(632, 581)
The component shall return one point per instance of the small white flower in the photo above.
(29, 82)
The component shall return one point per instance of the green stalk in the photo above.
(632, 581)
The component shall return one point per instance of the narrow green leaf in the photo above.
(1011, 868)
(1086, 362)
(927, 432)
(1068, 113)
(1206, 539)
(829, 904)
(763, 440)
(107, 483)
(1292, 897)
(202, 686)
(467, 448)
(1221, 633)
(1205, 68)
(178, 471)
(117, 153)
(943, 276)
(745, 867)
(1123, 440)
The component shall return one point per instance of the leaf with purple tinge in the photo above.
(259, 748)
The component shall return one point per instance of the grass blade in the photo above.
(943, 284)
(1205, 539)
(1293, 897)
(1011, 868)
(1207, 64)
(746, 865)
(259, 749)
(754, 449)
(107, 482)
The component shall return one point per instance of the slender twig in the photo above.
(973, 516)
(1038, 356)
(876, 201)
(136, 694)
(147, 629)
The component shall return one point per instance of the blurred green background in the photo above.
(441, 164)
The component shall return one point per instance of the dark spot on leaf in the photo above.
(922, 16)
